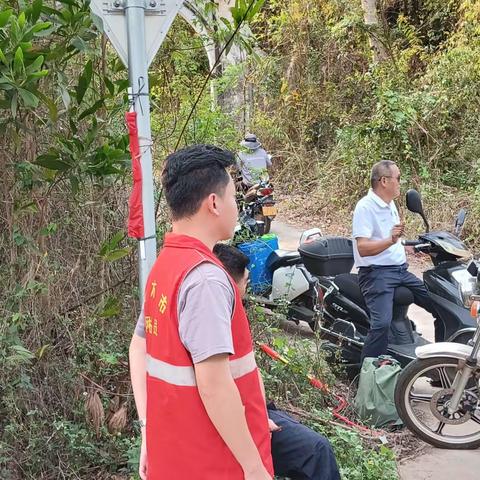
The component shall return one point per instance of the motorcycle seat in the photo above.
(348, 286)
(282, 258)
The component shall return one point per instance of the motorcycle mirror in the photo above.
(472, 269)
(414, 204)
(459, 221)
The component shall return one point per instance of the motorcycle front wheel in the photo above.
(422, 395)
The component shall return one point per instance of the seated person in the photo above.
(381, 258)
(297, 451)
(253, 161)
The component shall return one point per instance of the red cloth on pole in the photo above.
(135, 217)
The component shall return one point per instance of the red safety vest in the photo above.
(182, 442)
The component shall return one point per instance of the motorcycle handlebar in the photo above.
(411, 243)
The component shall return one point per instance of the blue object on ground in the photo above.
(258, 252)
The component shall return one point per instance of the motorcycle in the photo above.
(344, 318)
(293, 285)
(247, 228)
(257, 202)
(437, 395)
(317, 283)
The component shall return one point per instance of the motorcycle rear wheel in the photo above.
(268, 224)
(415, 401)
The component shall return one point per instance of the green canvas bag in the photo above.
(374, 401)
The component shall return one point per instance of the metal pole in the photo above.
(138, 76)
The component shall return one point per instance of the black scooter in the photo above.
(343, 318)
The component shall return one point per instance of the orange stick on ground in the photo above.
(316, 383)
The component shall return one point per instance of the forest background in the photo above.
(330, 94)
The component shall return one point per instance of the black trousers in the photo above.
(377, 284)
(300, 453)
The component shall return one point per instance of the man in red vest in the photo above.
(298, 452)
(200, 400)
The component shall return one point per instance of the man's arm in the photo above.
(362, 231)
(223, 404)
(138, 376)
(138, 372)
(368, 248)
(262, 386)
(137, 355)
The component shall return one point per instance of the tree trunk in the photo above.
(371, 21)
(237, 100)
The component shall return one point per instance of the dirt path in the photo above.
(433, 464)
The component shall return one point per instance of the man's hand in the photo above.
(260, 473)
(397, 231)
(142, 469)
(273, 427)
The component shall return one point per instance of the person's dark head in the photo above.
(196, 182)
(385, 179)
(235, 263)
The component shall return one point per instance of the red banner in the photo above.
(135, 216)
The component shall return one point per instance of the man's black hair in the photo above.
(234, 261)
(190, 175)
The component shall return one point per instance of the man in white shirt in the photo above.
(253, 161)
(380, 255)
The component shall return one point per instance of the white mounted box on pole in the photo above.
(137, 29)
